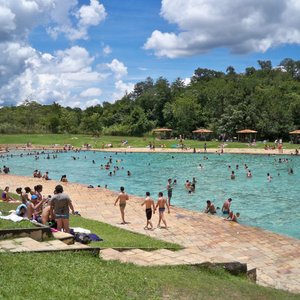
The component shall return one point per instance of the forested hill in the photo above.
(266, 99)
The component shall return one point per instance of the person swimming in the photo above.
(269, 177)
(232, 176)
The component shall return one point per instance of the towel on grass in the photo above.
(12, 217)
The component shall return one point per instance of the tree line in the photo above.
(266, 99)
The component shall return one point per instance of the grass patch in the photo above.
(118, 237)
(78, 140)
(6, 224)
(81, 275)
(6, 206)
(112, 236)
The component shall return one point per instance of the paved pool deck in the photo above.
(205, 238)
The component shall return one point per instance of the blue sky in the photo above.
(84, 52)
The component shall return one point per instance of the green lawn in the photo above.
(112, 236)
(78, 140)
(83, 276)
(118, 237)
(6, 224)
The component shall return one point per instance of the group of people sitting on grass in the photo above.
(48, 210)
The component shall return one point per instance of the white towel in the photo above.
(12, 217)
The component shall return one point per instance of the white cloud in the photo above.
(186, 81)
(91, 92)
(66, 76)
(107, 50)
(241, 26)
(61, 77)
(92, 102)
(122, 88)
(118, 68)
(91, 15)
(86, 16)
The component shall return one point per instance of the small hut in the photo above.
(246, 135)
(203, 132)
(163, 132)
(295, 136)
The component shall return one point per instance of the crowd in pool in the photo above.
(45, 210)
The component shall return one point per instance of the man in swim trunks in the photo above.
(210, 208)
(226, 206)
(170, 190)
(60, 205)
(122, 198)
(161, 203)
(149, 205)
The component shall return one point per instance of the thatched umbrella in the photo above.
(246, 132)
(162, 130)
(202, 131)
(296, 134)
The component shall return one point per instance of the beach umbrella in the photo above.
(202, 131)
(161, 131)
(296, 133)
(246, 132)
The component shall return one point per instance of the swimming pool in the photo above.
(273, 205)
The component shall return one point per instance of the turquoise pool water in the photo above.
(273, 205)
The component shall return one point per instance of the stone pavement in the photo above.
(205, 238)
(27, 244)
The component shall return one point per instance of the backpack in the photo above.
(82, 238)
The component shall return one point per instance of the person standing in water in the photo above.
(226, 206)
(122, 198)
(269, 177)
(149, 206)
(169, 190)
(161, 205)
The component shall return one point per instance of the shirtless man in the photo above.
(149, 206)
(210, 208)
(226, 206)
(170, 190)
(122, 198)
(161, 203)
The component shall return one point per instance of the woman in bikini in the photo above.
(161, 205)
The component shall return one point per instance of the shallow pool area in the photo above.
(272, 205)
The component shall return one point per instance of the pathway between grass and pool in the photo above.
(205, 238)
